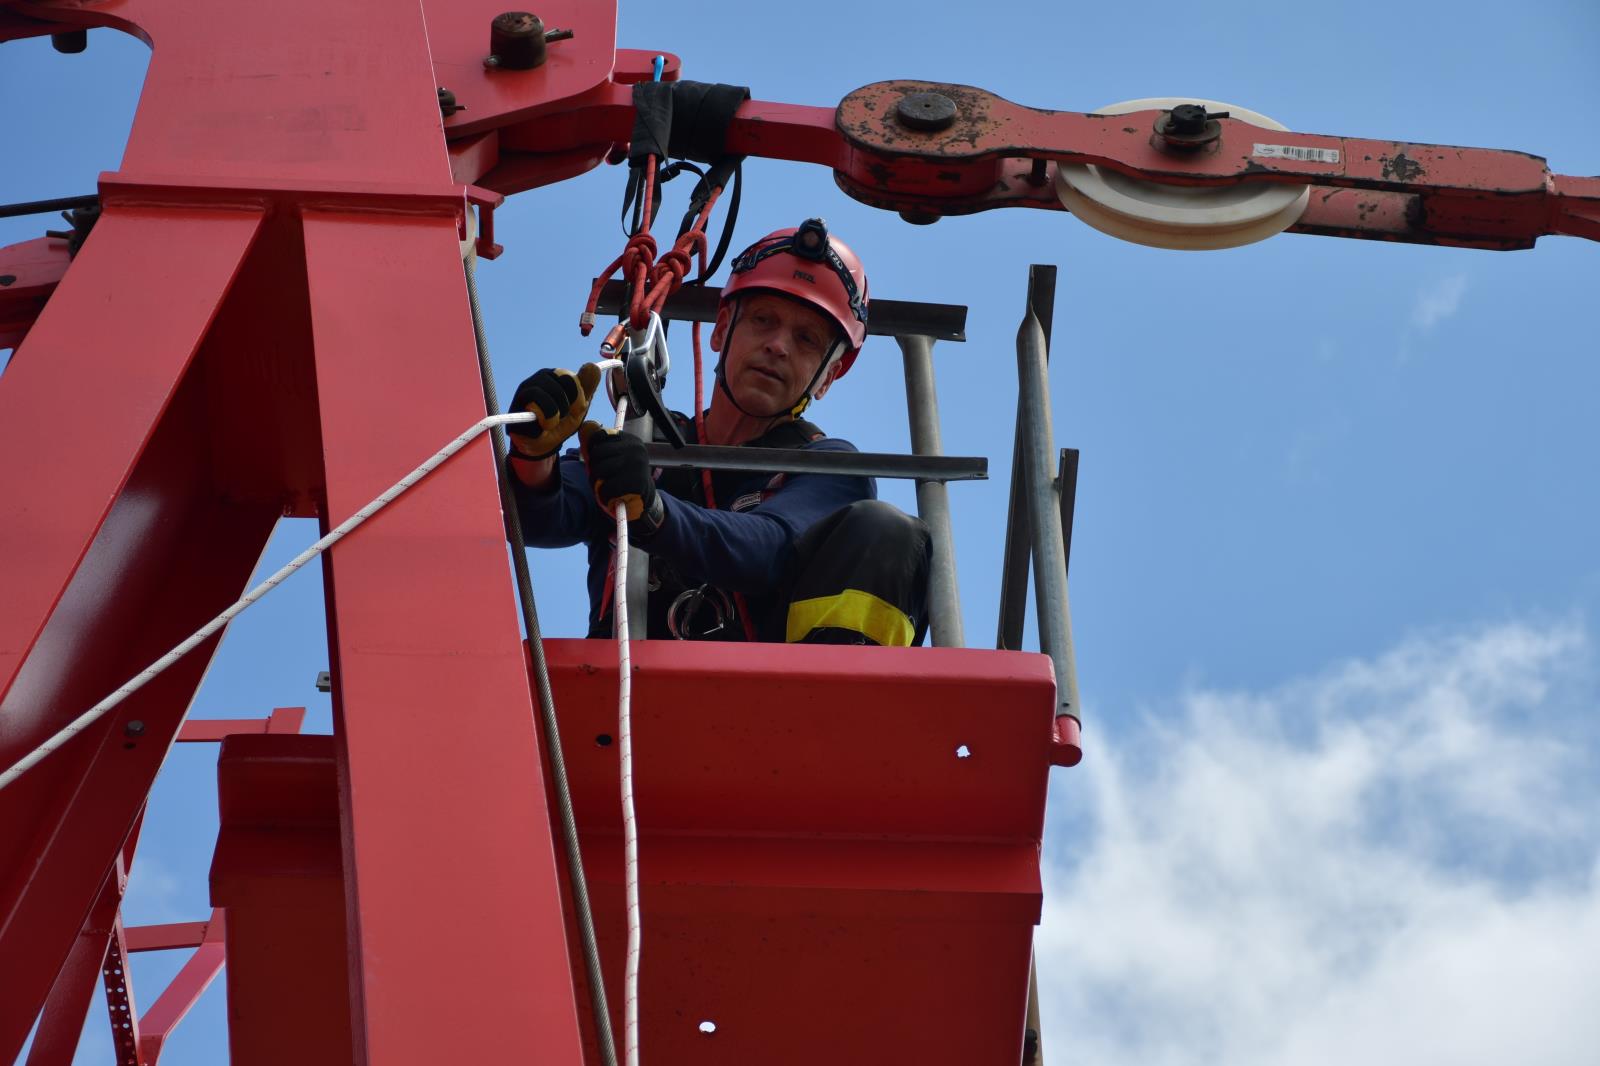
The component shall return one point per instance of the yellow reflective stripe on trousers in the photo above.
(860, 612)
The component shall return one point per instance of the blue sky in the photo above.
(1335, 569)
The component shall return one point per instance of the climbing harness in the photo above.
(684, 614)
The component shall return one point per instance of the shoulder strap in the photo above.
(796, 433)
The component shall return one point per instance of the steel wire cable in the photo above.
(541, 673)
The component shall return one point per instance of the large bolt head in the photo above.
(929, 112)
(1187, 119)
(516, 41)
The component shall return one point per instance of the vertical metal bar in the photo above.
(118, 980)
(446, 634)
(1049, 555)
(541, 677)
(1067, 483)
(1014, 571)
(933, 497)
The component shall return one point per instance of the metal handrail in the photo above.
(934, 468)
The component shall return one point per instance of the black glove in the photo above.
(620, 472)
(560, 399)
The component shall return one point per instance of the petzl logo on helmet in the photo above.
(803, 276)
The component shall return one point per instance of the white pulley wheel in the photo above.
(1180, 216)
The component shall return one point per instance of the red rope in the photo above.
(698, 232)
(654, 281)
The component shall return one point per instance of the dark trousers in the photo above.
(860, 576)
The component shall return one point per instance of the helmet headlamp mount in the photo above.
(810, 240)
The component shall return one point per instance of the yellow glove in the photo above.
(560, 399)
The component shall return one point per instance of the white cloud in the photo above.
(1438, 301)
(154, 892)
(1393, 862)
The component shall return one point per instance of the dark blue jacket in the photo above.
(745, 546)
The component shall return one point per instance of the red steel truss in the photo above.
(277, 270)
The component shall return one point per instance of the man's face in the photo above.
(773, 352)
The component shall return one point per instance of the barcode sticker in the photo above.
(1290, 151)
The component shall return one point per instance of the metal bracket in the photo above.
(645, 362)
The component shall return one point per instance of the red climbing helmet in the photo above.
(806, 263)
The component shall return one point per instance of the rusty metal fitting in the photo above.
(928, 112)
(1189, 126)
(82, 220)
(518, 40)
(70, 42)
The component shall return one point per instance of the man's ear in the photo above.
(827, 383)
(719, 332)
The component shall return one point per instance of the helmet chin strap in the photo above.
(832, 356)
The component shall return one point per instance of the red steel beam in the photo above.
(512, 135)
(183, 991)
(428, 806)
(167, 937)
(55, 1042)
(330, 179)
(337, 160)
(1000, 154)
(277, 870)
(212, 730)
(187, 261)
(113, 547)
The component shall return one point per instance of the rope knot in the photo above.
(672, 268)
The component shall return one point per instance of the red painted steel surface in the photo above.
(424, 622)
(823, 875)
(170, 553)
(145, 287)
(55, 1043)
(242, 162)
(277, 275)
(35, 268)
(888, 913)
(166, 936)
(277, 872)
(212, 730)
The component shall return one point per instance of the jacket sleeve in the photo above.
(561, 514)
(744, 551)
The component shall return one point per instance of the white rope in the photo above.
(630, 828)
(338, 533)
